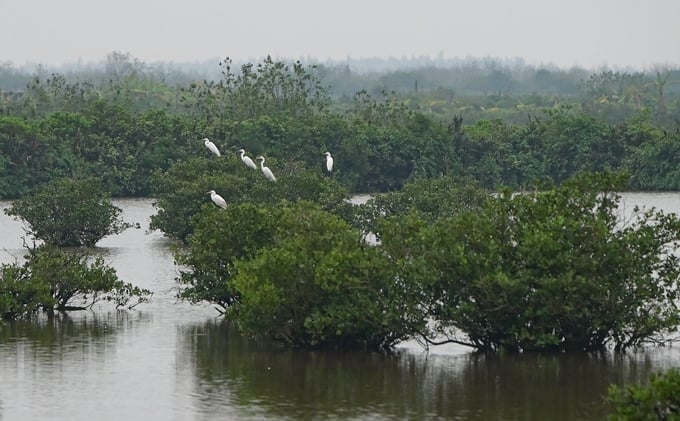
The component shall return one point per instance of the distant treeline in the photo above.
(469, 76)
(503, 124)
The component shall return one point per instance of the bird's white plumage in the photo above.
(269, 175)
(246, 159)
(217, 199)
(211, 146)
(329, 161)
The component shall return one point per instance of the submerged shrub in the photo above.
(55, 279)
(657, 401)
(555, 269)
(69, 212)
(317, 284)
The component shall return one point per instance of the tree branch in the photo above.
(427, 341)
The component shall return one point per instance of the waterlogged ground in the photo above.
(170, 360)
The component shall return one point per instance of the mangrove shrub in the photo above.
(55, 279)
(659, 400)
(180, 191)
(557, 269)
(69, 212)
(318, 284)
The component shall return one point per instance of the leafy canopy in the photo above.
(222, 236)
(555, 269)
(659, 400)
(181, 191)
(317, 284)
(69, 212)
(55, 279)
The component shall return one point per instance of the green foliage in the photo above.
(180, 191)
(222, 236)
(653, 154)
(54, 279)
(299, 274)
(126, 122)
(437, 153)
(18, 295)
(28, 157)
(657, 401)
(552, 270)
(393, 137)
(429, 198)
(69, 212)
(271, 88)
(318, 285)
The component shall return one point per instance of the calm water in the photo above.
(169, 360)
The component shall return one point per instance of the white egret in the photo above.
(329, 161)
(217, 199)
(246, 159)
(267, 172)
(211, 146)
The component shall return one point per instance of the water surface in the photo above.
(170, 360)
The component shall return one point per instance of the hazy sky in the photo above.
(587, 33)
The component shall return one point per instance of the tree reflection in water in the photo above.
(262, 380)
(49, 338)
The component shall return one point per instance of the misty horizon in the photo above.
(356, 64)
(542, 33)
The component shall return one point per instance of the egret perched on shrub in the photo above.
(267, 172)
(329, 161)
(211, 146)
(217, 199)
(246, 159)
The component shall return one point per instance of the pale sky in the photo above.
(586, 33)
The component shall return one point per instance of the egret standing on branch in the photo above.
(217, 199)
(329, 161)
(246, 159)
(267, 172)
(211, 146)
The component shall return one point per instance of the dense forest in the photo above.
(501, 123)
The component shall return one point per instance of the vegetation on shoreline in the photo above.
(283, 258)
(69, 213)
(554, 269)
(61, 215)
(127, 122)
(658, 400)
(550, 269)
(54, 279)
